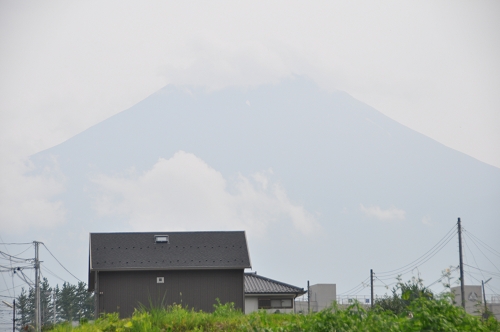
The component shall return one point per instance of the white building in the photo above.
(321, 296)
(474, 300)
(262, 293)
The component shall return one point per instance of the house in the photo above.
(269, 294)
(162, 268)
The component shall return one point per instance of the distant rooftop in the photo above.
(255, 284)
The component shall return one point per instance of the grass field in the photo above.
(421, 315)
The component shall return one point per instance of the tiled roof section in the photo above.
(255, 284)
(185, 250)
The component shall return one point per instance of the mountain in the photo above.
(379, 193)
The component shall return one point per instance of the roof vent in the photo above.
(161, 238)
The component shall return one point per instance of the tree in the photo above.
(23, 309)
(403, 294)
(85, 301)
(68, 302)
(45, 302)
(72, 302)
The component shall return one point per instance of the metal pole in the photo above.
(371, 284)
(37, 288)
(55, 305)
(308, 298)
(14, 315)
(462, 281)
(484, 297)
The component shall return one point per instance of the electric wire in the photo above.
(356, 287)
(422, 259)
(473, 256)
(386, 285)
(484, 255)
(22, 252)
(25, 278)
(61, 264)
(442, 277)
(410, 269)
(493, 251)
(53, 274)
(496, 274)
(10, 297)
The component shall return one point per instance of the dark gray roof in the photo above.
(185, 250)
(255, 284)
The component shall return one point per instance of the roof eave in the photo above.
(274, 294)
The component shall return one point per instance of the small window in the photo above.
(161, 238)
(276, 303)
(160, 280)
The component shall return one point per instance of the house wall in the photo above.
(252, 303)
(122, 291)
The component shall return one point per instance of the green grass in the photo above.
(421, 315)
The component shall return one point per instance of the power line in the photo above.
(362, 284)
(424, 258)
(484, 255)
(474, 257)
(53, 274)
(60, 263)
(495, 252)
(22, 252)
(442, 277)
(489, 272)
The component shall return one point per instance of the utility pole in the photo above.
(55, 305)
(462, 282)
(308, 298)
(371, 285)
(484, 297)
(37, 288)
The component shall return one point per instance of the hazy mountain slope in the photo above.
(331, 153)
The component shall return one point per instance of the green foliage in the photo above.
(403, 294)
(427, 314)
(225, 310)
(24, 310)
(72, 302)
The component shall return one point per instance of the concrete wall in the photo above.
(494, 308)
(321, 297)
(473, 298)
(251, 304)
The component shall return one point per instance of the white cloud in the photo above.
(26, 201)
(426, 220)
(390, 214)
(184, 193)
